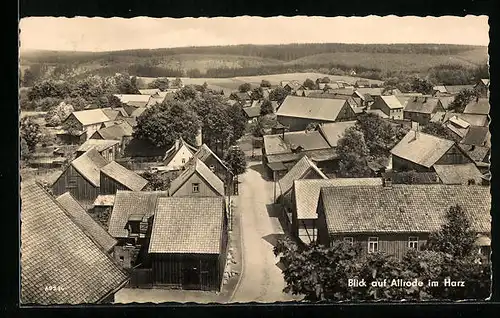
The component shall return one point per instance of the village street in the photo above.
(261, 279)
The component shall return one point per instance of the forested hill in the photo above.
(376, 61)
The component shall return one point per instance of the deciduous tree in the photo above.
(235, 159)
(353, 154)
(278, 94)
(309, 84)
(265, 83)
(462, 99)
(245, 87)
(266, 107)
(30, 132)
(159, 83)
(438, 130)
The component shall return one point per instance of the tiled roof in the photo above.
(440, 88)
(422, 149)
(104, 200)
(481, 107)
(402, 208)
(98, 144)
(128, 203)
(476, 153)
(314, 155)
(473, 119)
(191, 225)
(372, 91)
(197, 166)
(334, 131)
(138, 112)
(126, 177)
(306, 192)
(205, 153)
(56, 252)
(298, 171)
(89, 166)
(149, 91)
(458, 174)
(116, 131)
(91, 116)
(477, 136)
(78, 215)
(313, 108)
(392, 101)
(425, 105)
(308, 140)
(455, 89)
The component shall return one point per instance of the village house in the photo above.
(455, 89)
(298, 112)
(102, 207)
(116, 177)
(388, 107)
(134, 100)
(479, 106)
(197, 180)
(303, 169)
(188, 245)
(114, 114)
(365, 99)
(477, 136)
(57, 251)
(149, 91)
(251, 113)
(292, 86)
(80, 217)
(439, 90)
(421, 109)
(446, 101)
(419, 152)
(245, 98)
(82, 177)
(465, 174)
(302, 204)
(332, 132)
(119, 131)
(403, 217)
(130, 222)
(483, 87)
(86, 121)
(217, 166)
(109, 149)
(282, 151)
(178, 155)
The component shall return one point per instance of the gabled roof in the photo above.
(308, 140)
(458, 174)
(472, 119)
(170, 154)
(89, 165)
(313, 108)
(372, 91)
(78, 214)
(306, 192)
(149, 91)
(446, 101)
(402, 208)
(98, 144)
(131, 203)
(477, 136)
(348, 91)
(252, 112)
(485, 81)
(392, 101)
(90, 117)
(55, 251)
(481, 107)
(205, 153)
(191, 225)
(197, 166)
(241, 95)
(138, 112)
(134, 98)
(455, 89)
(126, 177)
(111, 113)
(116, 131)
(422, 149)
(299, 170)
(459, 122)
(425, 105)
(334, 131)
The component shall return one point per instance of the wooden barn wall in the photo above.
(346, 113)
(399, 164)
(453, 156)
(392, 244)
(421, 118)
(168, 270)
(223, 250)
(72, 181)
(110, 185)
(205, 190)
(323, 235)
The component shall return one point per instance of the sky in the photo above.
(108, 34)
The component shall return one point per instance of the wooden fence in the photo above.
(141, 278)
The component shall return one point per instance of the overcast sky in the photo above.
(104, 34)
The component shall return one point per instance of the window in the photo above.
(349, 239)
(196, 187)
(212, 168)
(121, 258)
(413, 242)
(372, 244)
(183, 160)
(72, 182)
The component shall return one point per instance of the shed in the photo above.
(303, 169)
(116, 177)
(465, 174)
(109, 149)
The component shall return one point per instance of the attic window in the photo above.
(196, 187)
(212, 167)
(183, 160)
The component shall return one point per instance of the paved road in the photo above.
(261, 280)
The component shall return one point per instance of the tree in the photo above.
(25, 151)
(237, 121)
(312, 126)
(278, 94)
(125, 84)
(162, 124)
(159, 83)
(30, 132)
(309, 84)
(421, 86)
(266, 107)
(177, 83)
(455, 236)
(245, 87)
(353, 154)
(235, 159)
(58, 114)
(265, 83)
(462, 99)
(157, 181)
(186, 93)
(28, 78)
(379, 135)
(438, 130)
(257, 94)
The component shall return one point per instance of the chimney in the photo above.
(177, 144)
(387, 182)
(415, 127)
(198, 140)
